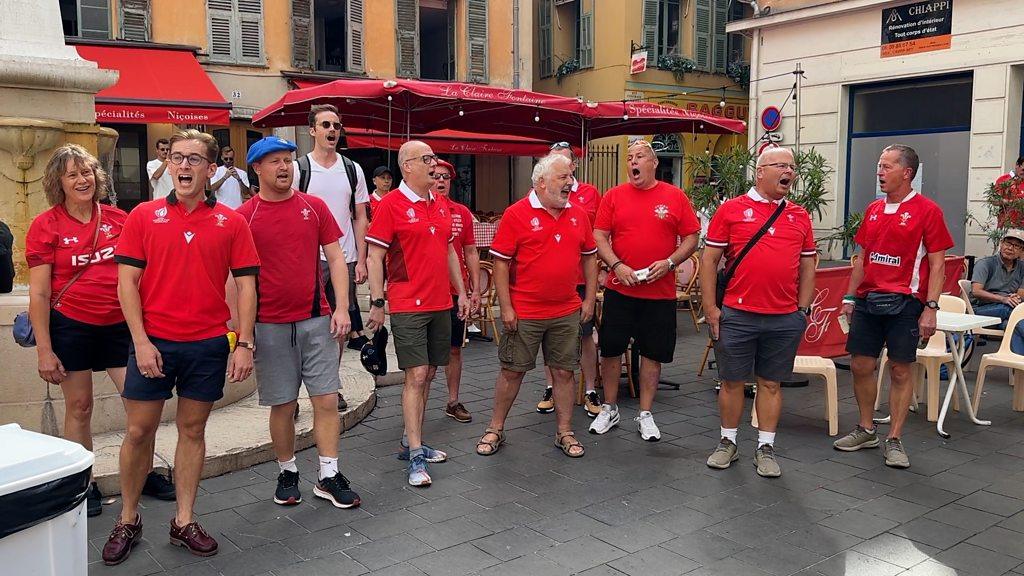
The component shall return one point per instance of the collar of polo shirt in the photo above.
(412, 196)
(535, 200)
(756, 197)
(210, 200)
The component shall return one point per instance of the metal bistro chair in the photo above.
(688, 287)
(485, 315)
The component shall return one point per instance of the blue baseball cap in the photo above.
(267, 145)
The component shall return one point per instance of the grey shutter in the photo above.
(135, 20)
(719, 39)
(702, 34)
(250, 31)
(476, 26)
(221, 13)
(355, 61)
(651, 29)
(407, 30)
(302, 18)
(544, 47)
(94, 19)
(586, 54)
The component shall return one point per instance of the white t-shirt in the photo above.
(230, 193)
(331, 185)
(162, 187)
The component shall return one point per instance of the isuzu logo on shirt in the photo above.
(99, 256)
(884, 259)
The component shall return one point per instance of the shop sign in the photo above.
(638, 63)
(917, 27)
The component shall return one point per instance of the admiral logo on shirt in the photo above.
(884, 259)
(661, 211)
(161, 215)
(99, 256)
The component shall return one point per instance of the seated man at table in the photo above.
(996, 282)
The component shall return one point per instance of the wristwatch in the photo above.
(378, 302)
(244, 344)
(805, 309)
(932, 304)
(671, 264)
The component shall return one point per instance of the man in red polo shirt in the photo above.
(587, 197)
(638, 231)
(413, 229)
(1011, 188)
(766, 305)
(469, 262)
(538, 249)
(174, 257)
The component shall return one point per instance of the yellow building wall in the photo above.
(180, 23)
(379, 38)
(500, 64)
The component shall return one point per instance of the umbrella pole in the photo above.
(389, 133)
(583, 151)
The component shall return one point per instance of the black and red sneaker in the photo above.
(336, 490)
(287, 493)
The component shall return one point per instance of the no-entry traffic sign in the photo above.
(771, 118)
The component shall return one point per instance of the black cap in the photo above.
(373, 354)
(381, 170)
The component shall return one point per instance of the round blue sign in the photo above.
(771, 118)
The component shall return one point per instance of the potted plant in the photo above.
(567, 67)
(677, 65)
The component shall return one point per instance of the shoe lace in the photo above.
(121, 530)
(337, 481)
(767, 451)
(592, 397)
(724, 444)
(894, 444)
(288, 479)
(418, 464)
(195, 530)
(547, 394)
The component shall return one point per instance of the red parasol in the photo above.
(454, 142)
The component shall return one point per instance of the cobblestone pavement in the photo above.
(628, 506)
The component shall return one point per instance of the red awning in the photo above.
(156, 85)
(618, 118)
(454, 142)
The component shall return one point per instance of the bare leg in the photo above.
(326, 424)
(563, 397)
(190, 453)
(77, 389)
(505, 391)
(650, 373)
(901, 391)
(136, 457)
(769, 405)
(414, 400)
(865, 388)
(611, 368)
(282, 428)
(588, 361)
(453, 374)
(730, 403)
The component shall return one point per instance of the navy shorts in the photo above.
(899, 333)
(761, 345)
(196, 369)
(80, 346)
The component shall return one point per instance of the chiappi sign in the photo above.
(917, 27)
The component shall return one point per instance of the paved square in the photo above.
(627, 507)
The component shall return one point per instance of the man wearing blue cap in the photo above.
(296, 333)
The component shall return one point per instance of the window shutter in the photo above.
(221, 14)
(302, 18)
(476, 25)
(250, 31)
(94, 19)
(354, 38)
(651, 29)
(544, 25)
(720, 40)
(407, 29)
(586, 54)
(702, 34)
(135, 20)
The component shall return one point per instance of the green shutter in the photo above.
(135, 20)
(720, 40)
(355, 60)
(651, 29)
(586, 54)
(302, 20)
(94, 19)
(407, 31)
(702, 24)
(476, 26)
(221, 14)
(544, 44)
(250, 31)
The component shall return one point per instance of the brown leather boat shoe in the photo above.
(122, 538)
(192, 537)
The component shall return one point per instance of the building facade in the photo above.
(946, 77)
(252, 51)
(584, 48)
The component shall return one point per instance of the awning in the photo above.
(454, 142)
(156, 85)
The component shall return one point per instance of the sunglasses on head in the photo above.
(560, 145)
(327, 125)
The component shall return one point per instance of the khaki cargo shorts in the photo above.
(558, 337)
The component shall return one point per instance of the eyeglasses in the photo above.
(327, 125)
(781, 166)
(560, 145)
(178, 158)
(1016, 245)
(442, 176)
(426, 158)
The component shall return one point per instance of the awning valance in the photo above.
(156, 85)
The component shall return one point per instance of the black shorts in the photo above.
(80, 346)
(196, 369)
(650, 323)
(586, 328)
(458, 326)
(899, 333)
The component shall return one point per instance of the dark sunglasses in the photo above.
(442, 176)
(327, 125)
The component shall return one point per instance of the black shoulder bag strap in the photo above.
(303, 163)
(353, 181)
(726, 275)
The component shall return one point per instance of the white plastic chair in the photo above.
(965, 293)
(1005, 358)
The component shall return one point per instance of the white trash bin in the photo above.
(43, 481)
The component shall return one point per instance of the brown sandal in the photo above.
(567, 447)
(487, 448)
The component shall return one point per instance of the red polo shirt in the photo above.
(462, 232)
(288, 236)
(896, 240)
(374, 201)
(185, 257)
(60, 240)
(645, 226)
(416, 234)
(1011, 192)
(544, 255)
(767, 278)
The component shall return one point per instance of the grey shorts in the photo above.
(762, 345)
(422, 338)
(288, 355)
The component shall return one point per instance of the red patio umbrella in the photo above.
(617, 118)
(454, 142)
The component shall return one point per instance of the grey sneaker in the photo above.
(764, 459)
(724, 455)
(895, 455)
(859, 438)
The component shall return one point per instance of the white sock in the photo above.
(765, 438)
(611, 407)
(328, 467)
(729, 434)
(405, 441)
(288, 465)
(644, 413)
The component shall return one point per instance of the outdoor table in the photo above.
(952, 323)
(483, 232)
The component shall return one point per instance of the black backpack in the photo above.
(350, 171)
(6, 259)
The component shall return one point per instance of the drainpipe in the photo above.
(515, 44)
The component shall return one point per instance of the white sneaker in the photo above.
(606, 420)
(648, 429)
